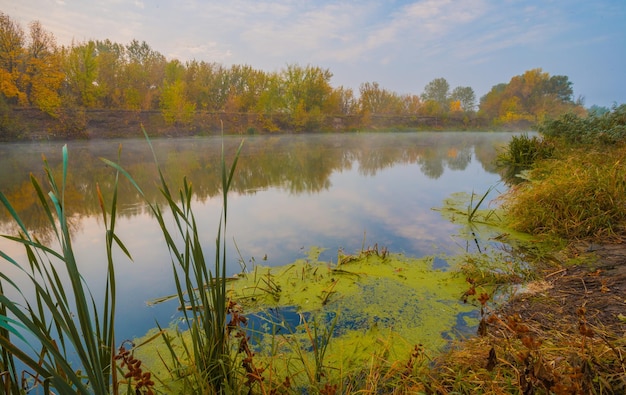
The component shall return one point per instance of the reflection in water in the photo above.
(296, 164)
(289, 192)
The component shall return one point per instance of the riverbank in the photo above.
(27, 124)
(561, 334)
(564, 332)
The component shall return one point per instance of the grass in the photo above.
(579, 189)
(579, 195)
(520, 154)
(64, 318)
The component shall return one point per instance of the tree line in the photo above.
(101, 74)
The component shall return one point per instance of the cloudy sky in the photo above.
(400, 44)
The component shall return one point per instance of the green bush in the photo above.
(520, 154)
(608, 128)
(524, 151)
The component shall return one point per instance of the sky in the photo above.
(400, 44)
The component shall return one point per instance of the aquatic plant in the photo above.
(61, 319)
(520, 154)
(201, 292)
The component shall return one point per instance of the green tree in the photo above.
(271, 99)
(437, 90)
(561, 87)
(465, 96)
(81, 71)
(175, 105)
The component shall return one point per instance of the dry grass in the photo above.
(581, 195)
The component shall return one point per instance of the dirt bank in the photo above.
(19, 123)
(565, 335)
(598, 285)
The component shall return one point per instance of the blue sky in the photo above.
(402, 45)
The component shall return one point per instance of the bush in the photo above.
(608, 128)
(520, 154)
(524, 151)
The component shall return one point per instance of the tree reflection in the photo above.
(297, 164)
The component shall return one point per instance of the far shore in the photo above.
(32, 124)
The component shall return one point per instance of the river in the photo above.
(290, 192)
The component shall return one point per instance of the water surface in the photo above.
(337, 191)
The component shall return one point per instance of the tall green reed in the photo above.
(59, 320)
(201, 291)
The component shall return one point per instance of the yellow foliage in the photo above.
(455, 106)
(8, 85)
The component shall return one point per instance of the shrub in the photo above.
(520, 154)
(607, 128)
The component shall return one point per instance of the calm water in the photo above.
(290, 193)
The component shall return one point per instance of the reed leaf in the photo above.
(200, 289)
(471, 209)
(61, 320)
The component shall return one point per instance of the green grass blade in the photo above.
(10, 324)
(125, 173)
(13, 213)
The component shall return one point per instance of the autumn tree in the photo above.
(465, 97)
(343, 102)
(207, 84)
(377, 100)
(490, 103)
(142, 76)
(246, 86)
(411, 104)
(111, 59)
(12, 53)
(44, 72)
(81, 72)
(530, 97)
(175, 105)
(305, 92)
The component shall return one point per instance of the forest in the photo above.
(66, 82)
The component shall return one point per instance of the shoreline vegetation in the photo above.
(560, 332)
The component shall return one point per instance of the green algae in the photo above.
(491, 246)
(373, 300)
(374, 305)
(396, 291)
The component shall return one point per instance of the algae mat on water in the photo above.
(364, 297)
(313, 318)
